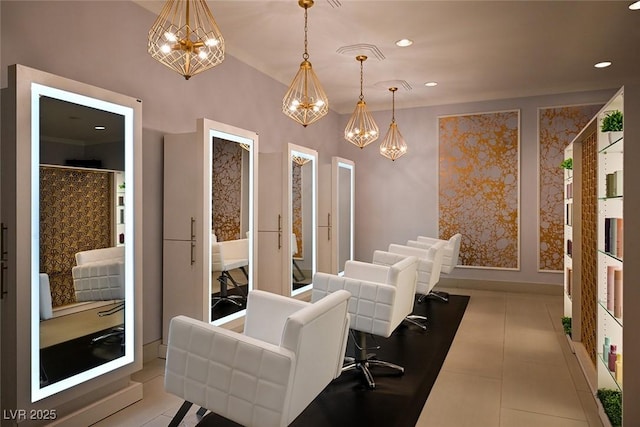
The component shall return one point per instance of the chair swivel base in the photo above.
(417, 320)
(440, 295)
(228, 298)
(363, 366)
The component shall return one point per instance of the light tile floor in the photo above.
(509, 366)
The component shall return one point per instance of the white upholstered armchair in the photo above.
(227, 256)
(451, 250)
(429, 267)
(381, 297)
(99, 274)
(289, 352)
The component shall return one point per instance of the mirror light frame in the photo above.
(336, 164)
(312, 155)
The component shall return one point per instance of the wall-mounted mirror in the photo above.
(233, 249)
(71, 239)
(302, 178)
(342, 207)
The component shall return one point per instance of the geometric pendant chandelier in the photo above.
(393, 145)
(361, 129)
(186, 38)
(305, 100)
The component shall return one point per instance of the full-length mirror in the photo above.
(302, 186)
(82, 273)
(342, 207)
(232, 168)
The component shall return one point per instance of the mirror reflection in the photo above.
(230, 218)
(83, 217)
(344, 211)
(303, 218)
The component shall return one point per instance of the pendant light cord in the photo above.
(361, 95)
(305, 55)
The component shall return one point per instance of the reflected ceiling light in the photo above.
(393, 145)
(299, 160)
(185, 37)
(431, 84)
(305, 100)
(98, 127)
(361, 129)
(603, 64)
(635, 5)
(404, 42)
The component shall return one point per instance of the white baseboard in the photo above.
(101, 409)
(150, 351)
(496, 285)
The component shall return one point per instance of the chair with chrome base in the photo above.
(381, 298)
(429, 268)
(225, 257)
(289, 352)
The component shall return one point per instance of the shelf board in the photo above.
(603, 305)
(613, 147)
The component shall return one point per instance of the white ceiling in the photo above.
(475, 50)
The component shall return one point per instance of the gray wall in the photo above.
(105, 45)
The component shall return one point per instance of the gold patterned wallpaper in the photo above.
(227, 189)
(296, 199)
(557, 128)
(76, 209)
(479, 186)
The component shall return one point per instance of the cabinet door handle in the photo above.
(193, 228)
(3, 251)
(329, 226)
(193, 252)
(3, 292)
(279, 231)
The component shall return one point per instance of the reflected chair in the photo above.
(298, 274)
(289, 352)
(381, 298)
(451, 254)
(429, 267)
(227, 256)
(46, 305)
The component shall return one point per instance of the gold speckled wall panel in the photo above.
(227, 189)
(296, 198)
(479, 186)
(76, 209)
(557, 127)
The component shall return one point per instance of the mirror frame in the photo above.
(338, 163)
(30, 84)
(313, 156)
(207, 130)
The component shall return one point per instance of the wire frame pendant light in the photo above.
(393, 145)
(186, 38)
(305, 100)
(361, 129)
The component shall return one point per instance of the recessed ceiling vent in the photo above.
(334, 3)
(362, 49)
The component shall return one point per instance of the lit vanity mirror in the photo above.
(82, 251)
(233, 164)
(302, 185)
(342, 210)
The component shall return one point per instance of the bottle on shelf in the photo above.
(605, 349)
(619, 369)
(612, 358)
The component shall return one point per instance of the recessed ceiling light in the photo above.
(603, 64)
(99, 128)
(635, 5)
(404, 42)
(431, 84)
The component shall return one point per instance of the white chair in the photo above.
(429, 268)
(46, 305)
(99, 274)
(451, 254)
(227, 256)
(381, 298)
(289, 352)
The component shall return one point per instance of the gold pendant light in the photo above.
(393, 145)
(361, 129)
(185, 37)
(305, 100)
